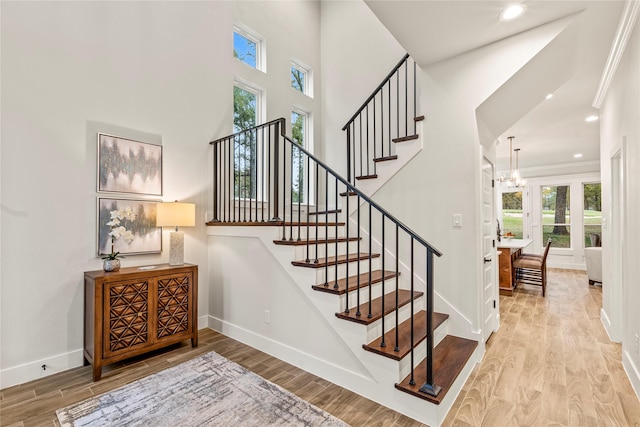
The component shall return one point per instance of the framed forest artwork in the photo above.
(145, 236)
(128, 166)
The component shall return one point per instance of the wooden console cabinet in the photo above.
(136, 310)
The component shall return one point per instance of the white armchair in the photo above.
(593, 258)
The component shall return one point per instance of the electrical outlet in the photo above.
(267, 316)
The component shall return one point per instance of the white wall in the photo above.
(620, 132)
(152, 70)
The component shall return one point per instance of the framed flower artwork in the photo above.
(128, 166)
(128, 227)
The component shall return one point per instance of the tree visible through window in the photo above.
(592, 215)
(298, 133)
(245, 103)
(556, 216)
(245, 48)
(298, 78)
(512, 214)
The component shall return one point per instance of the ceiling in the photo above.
(552, 131)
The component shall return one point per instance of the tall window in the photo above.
(245, 116)
(512, 214)
(299, 129)
(299, 78)
(247, 48)
(556, 216)
(592, 214)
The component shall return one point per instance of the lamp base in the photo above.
(176, 248)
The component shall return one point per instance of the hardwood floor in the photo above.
(550, 363)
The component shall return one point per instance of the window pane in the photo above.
(244, 49)
(592, 215)
(244, 117)
(512, 214)
(297, 79)
(244, 109)
(298, 128)
(556, 216)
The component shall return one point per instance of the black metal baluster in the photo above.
(348, 155)
(309, 203)
(335, 286)
(269, 217)
(382, 122)
(415, 94)
(396, 348)
(367, 140)
(429, 387)
(383, 343)
(326, 228)
(389, 139)
(291, 191)
(347, 245)
(397, 104)
(406, 99)
(300, 191)
(360, 134)
(374, 137)
(369, 315)
(276, 173)
(233, 159)
(412, 381)
(358, 272)
(317, 197)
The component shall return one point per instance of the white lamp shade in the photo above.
(175, 214)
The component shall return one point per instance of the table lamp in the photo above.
(174, 214)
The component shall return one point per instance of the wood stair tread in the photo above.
(272, 223)
(330, 211)
(386, 158)
(418, 119)
(404, 297)
(303, 242)
(355, 282)
(404, 336)
(449, 358)
(361, 177)
(351, 193)
(333, 260)
(405, 138)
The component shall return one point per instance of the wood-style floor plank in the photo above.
(568, 371)
(562, 327)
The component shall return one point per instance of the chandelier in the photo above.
(514, 179)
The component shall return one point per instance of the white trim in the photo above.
(632, 372)
(623, 33)
(33, 370)
(606, 323)
(249, 34)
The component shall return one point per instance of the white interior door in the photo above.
(489, 288)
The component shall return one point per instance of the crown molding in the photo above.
(623, 33)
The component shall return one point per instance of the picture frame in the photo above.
(128, 166)
(147, 237)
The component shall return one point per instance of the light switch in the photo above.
(457, 220)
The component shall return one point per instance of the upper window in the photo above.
(300, 78)
(247, 48)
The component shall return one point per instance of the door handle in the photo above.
(486, 260)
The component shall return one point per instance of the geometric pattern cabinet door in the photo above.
(127, 323)
(173, 305)
(136, 310)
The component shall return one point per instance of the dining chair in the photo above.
(531, 269)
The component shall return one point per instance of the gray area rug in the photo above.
(206, 391)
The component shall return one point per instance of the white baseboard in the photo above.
(33, 370)
(302, 360)
(606, 322)
(632, 372)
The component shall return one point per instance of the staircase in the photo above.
(376, 270)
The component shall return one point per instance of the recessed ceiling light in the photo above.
(577, 156)
(591, 119)
(549, 96)
(512, 12)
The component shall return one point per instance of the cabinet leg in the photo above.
(97, 371)
(194, 340)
